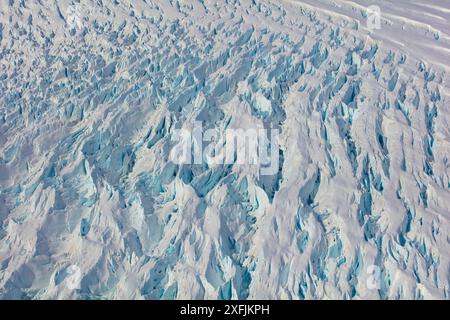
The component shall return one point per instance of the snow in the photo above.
(92, 94)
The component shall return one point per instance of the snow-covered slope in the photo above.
(92, 93)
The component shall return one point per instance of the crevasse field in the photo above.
(92, 94)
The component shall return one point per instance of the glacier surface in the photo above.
(92, 93)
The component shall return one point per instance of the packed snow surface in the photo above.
(93, 92)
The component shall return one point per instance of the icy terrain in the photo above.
(92, 92)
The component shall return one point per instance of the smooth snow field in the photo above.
(334, 116)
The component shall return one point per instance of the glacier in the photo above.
(92, 93)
